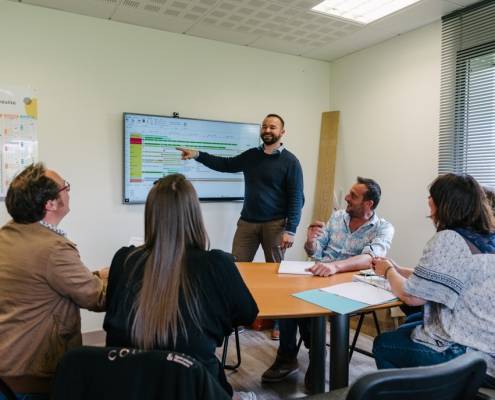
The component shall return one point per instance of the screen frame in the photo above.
(176, 116)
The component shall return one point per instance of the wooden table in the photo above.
(273, 294)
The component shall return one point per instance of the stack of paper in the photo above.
(347, 297)
(362, 292)
(295, 267)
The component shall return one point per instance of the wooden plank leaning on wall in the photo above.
(325, 176)
(324, 196)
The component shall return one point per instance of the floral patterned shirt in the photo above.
(339, 243)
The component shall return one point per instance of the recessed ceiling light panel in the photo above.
(361, 11)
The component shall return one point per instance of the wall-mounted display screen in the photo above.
(150, 143)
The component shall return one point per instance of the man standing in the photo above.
(42, 283)
(348, 242)
(273, 196)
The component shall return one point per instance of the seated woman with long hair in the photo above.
(454, 280)
(172, 293)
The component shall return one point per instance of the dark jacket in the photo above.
(90, 373)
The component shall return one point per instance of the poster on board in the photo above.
(18, 132)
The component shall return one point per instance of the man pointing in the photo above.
(273, 192)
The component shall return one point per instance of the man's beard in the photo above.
(353, 212)
(269, 138)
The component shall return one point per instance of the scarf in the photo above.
(484, 242)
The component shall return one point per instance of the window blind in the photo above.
(467, 99)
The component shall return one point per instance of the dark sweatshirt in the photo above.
(273, 184)
(224, 299)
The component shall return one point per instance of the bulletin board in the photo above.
(18, 132)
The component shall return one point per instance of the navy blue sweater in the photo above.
(273, 184)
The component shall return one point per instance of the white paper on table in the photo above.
(362, 292)
(295, 267)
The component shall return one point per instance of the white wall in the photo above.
(88, 71)
(389, 98)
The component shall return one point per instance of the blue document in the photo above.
(333, 302)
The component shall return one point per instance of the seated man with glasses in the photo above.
(43, 283)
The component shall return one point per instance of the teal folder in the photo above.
(338, 304)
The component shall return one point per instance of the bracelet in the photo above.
(386, 270)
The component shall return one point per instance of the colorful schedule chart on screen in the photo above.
(150, 153)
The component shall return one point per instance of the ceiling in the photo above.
(284, 26)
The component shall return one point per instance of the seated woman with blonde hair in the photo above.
(173, 293)
(454, 280)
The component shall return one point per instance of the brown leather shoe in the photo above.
(281, 368)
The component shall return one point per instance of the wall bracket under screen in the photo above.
(150, 153)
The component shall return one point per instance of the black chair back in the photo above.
(127, 374)
(458, 379)
(7, 391)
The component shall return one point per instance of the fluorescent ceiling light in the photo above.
(361, 11)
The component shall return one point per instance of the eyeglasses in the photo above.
(65, 187)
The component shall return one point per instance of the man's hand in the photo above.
(324, 269)
(315, 230)
(187, 154)
(287, 241)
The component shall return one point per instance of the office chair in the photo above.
(128, 374)
(353, 347)
(231, 367)
(485, 394)
(7, 391)
(457, 379)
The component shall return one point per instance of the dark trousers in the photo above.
(396, 349)
(288, 335)
(250, 235)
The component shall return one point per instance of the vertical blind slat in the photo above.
(467, 93)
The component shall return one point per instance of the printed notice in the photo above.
(18, 132)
